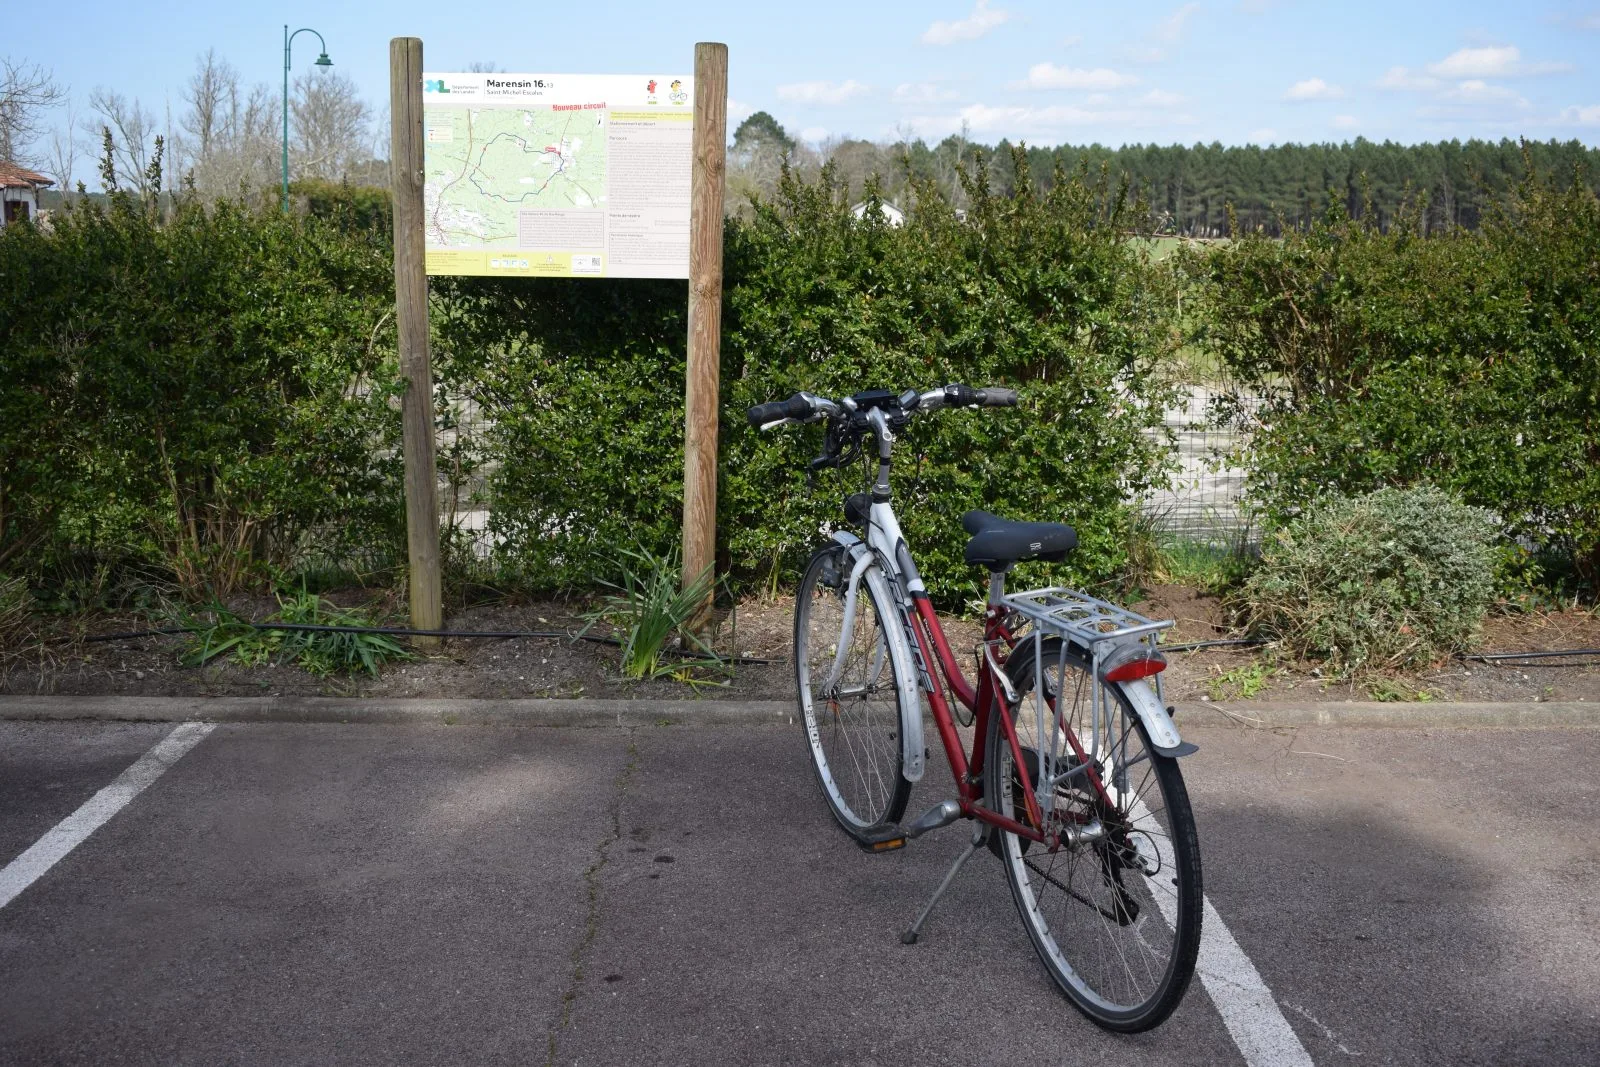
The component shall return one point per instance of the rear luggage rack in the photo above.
(1101, 630)
(1081, 618)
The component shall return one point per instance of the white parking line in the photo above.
(1248, 1009)
(70, 832)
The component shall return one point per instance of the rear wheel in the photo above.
(1112, 897)
(850, 703)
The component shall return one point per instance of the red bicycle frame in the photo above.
(984, 700)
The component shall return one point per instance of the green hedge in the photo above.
(213, 392)
(208, 392)
(1467, 360)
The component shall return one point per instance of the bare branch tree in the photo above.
(482, 66)
(330, 124)
(27, 91)
(228, 135)
(131, 131)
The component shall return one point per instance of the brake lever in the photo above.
(813, 467)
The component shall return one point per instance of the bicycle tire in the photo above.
(1068, 895)
(853, 733)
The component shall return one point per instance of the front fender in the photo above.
(912, 749)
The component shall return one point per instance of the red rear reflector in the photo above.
(1136, 668)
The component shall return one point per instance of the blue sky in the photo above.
(1234, 71)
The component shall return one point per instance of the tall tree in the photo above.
(229, 134)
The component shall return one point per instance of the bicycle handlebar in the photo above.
(805, 407)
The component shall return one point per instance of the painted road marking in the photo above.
(1247, 1006)
(70, 832)
(1248, 1009)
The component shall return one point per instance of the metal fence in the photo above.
(1205, 501)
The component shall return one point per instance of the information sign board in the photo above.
(559, 175)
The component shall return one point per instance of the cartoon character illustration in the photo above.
(677, 84)
(651, 88)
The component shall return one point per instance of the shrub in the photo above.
(1046, 292)
(1394, 578)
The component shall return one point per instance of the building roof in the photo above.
(13, 177)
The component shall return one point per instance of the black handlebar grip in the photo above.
(796, 407)
(996, 397)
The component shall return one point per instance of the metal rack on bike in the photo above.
(1097, 627)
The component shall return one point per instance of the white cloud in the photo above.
(738, 110)
(1050, 76)
(1072, 40)
(1345, 122)
(1405, 78)
(1581, 116)
(821, 92)
(1476, 62)
(814, 134)
(1265, 135)
(922, 93)
(1477, 91)
(975, 25)
(1490, 61)
(1313, 89)
(1161, 98)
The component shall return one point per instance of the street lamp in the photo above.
(322, 61)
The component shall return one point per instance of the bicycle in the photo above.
(1072, 779)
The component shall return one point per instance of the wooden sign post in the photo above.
(703, 373)
(411, 320)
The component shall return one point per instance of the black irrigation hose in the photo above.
(1495, 657)
(400, 631)
(1194, 645)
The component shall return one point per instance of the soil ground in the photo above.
(761, 628)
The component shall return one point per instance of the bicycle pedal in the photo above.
(883, 839)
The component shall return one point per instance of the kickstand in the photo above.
(979, 837)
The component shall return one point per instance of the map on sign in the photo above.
(549, 174)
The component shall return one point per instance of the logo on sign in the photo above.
(434, 85)
(650, 91)
(677, 96)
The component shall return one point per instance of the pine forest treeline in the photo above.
(1190, 189)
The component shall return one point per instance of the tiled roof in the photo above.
(12, 176)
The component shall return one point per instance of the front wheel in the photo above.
(1112, 897)
(850, 692)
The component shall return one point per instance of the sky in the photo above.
(1234, 71)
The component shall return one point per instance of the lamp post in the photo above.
(322, 61)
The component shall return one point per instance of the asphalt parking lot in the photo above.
(678, 895)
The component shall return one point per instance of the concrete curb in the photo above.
(480, 712)
(1268, 715)
(617, 713)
